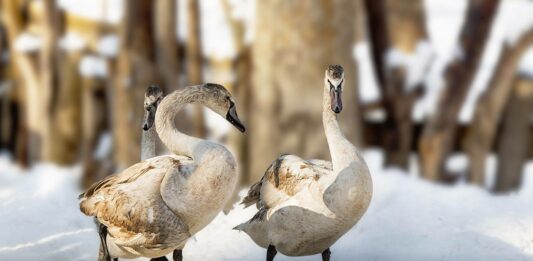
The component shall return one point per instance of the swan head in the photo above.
(334, 80)
(152, 98)
(220, 101)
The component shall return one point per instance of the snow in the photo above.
(108, 45)
(104, 147)
(416, 63)
(27, 42)
(72, 41)
(526, 65)
(93, 66)
(408, 219)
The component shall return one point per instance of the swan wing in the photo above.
(130, 205)
(284, 178)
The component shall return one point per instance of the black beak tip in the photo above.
(242, 129)
(337, 110)
(145, 127)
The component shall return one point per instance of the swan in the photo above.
(305, 206)
(152, 98)
(153, 207)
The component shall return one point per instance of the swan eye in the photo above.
(331, 85)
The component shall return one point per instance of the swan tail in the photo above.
(254, 195)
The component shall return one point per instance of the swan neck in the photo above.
(341, 150)
(148, 144)
(175, 141)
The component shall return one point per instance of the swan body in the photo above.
(153, 207)
(305, 206)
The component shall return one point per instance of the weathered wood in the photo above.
(440, 128)
(398, 25)
(490, 106)
(194, 62)
(406, 21)
(513, 145)
(374, 131)
(28, 145)
(379, 38)
(95, 123)
(135, 69)
(295, 42)
(49, 78)
(241, 67)
(166, 43)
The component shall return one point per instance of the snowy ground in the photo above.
(409, 219)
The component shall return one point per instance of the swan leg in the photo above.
(271, 252)
(103, 254)
(177, 255)
(326, 254)
(162, 258)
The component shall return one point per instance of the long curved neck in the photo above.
(177, 142)
(342, 151)
(148, 144)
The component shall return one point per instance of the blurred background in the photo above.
(431, 81)
(438, 91)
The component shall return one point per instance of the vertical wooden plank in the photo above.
(513, 145)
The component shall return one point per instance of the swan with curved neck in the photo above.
(153, 207)
(305, 206)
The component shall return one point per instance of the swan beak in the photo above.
(232, 117)
(149, 117)
(336, 101)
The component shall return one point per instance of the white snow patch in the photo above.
(105, 144)
(108, 45)
(526, 64)
(72, 42)
(415, 64)
(93, 66)
(457, 163)
(368, 87)
(27, 42)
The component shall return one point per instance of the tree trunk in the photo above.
(513, 145)
(439, 130)
(49, 76)
(94, 124)
(399, 25)
(490, 107)
(166, 43)
(194, 62)
(295, 42)
(134, 72)
(28, 143)
(406, 23)
(66, 123)
(242, 69)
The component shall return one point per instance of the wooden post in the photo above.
(194, 61)
(134, 71)
(513, 145)
(489, 108)
(166, 43)
(439, 130)
(398, 25)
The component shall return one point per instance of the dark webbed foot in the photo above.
(326, 254)
(177, 255)
(271, 253)
(163, 258)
